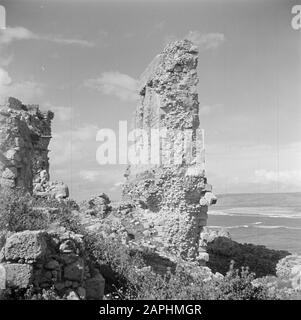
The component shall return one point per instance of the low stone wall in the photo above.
(45, 259)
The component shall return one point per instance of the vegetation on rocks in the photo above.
(126, 268)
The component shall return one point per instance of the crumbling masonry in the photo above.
(25, 133)
(173, 197)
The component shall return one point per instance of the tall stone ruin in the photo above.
(173, 196)
(25, 133)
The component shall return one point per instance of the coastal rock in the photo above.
(260, 260)
(208, 235)
(27, 245)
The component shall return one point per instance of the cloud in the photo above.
(287, 177)
(206, 41)
(90, 175)
(5, 79)
(116, 84)
(5, 61)
(256, 167)
(209, 109)
(110, 176)
(73, 145)
(10, 34)
(67, 41)
(26, 91)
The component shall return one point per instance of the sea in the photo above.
(269, 219)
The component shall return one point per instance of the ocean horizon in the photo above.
(269, 219)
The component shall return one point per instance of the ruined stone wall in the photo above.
(174, 197)
(25, 133)
(46, 259)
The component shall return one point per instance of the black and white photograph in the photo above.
(150, 150)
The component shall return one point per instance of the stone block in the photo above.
(9, 173)
(15, 275)
(27, 245)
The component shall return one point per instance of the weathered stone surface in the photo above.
(28, 245)
(15, 275)
(24, 137)
(208, 235)
(173, 194)
(290, 268)
(58, 190)
(95, 288)
(2, 277)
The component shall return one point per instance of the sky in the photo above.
(82, 60)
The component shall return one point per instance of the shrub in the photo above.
(116, 262)
(20, 211)
(128, 277)
(17, 212)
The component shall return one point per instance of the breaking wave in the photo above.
(271, 212)
(254, 225)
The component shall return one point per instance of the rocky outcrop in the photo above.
(25, 132)
(173, 194)
(46, 259)
(209, 235)
(260, 260)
